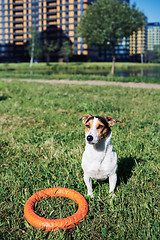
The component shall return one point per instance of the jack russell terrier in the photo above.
(99, 160)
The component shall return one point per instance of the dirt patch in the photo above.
(95, 82)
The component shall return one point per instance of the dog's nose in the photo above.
(89, 138)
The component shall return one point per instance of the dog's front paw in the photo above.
(112, 195)
(90, 195)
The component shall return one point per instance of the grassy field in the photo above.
(41, 145)
(82, 71)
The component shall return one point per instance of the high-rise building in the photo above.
(153, 35)
(138, 42)
(54, 20)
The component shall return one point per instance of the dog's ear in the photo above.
(85, 117)
(111, 121)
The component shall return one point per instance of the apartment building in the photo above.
(57, 19)
(138, 43)
(54, 20)
(153, 35)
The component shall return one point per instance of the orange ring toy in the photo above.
(55, 224)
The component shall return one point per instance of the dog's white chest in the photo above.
(99, 163)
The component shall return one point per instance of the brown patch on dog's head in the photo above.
(86, 117)
(88, 121)
(111, 121)
(88, 124)
(102, 127)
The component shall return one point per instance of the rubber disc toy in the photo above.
(54, 224)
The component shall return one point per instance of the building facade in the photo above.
(138, 44)
(153, 35)
(54, 20)
(57, 19)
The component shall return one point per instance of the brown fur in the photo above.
(103, 125)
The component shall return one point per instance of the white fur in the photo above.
(93, 132)
(99, 160)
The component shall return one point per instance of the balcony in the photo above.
(17, 2)
(18, 36)
(18, 32)
(51, 10)
(17, 25)
(51, 17)
(17, 14)
(17, 20)
(18, 8)
(19, 43)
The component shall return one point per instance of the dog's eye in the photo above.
(100, 127)
(87, 126)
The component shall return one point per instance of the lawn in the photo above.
(133, 72)
(41, 146)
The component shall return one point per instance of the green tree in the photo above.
(49, 48)
(66, 50)
(34, 46)
(105, 22)
(156, 50)
(149, 56)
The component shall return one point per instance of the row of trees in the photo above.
(103, 24)
(38, 48)
(153, 55)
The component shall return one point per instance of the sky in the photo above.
(151, 9)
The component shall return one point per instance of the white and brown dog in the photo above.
(99, 160)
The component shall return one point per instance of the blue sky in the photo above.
(151, 8)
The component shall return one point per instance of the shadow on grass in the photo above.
(125, 167)
(2, 97)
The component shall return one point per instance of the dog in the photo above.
(99, 160)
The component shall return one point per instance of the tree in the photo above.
(105, 22)
(66, 50)
(149, 56)
(48, 48)
(34, 46)
(156, 49)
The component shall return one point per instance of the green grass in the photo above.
(41, 145)
(79, 71)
